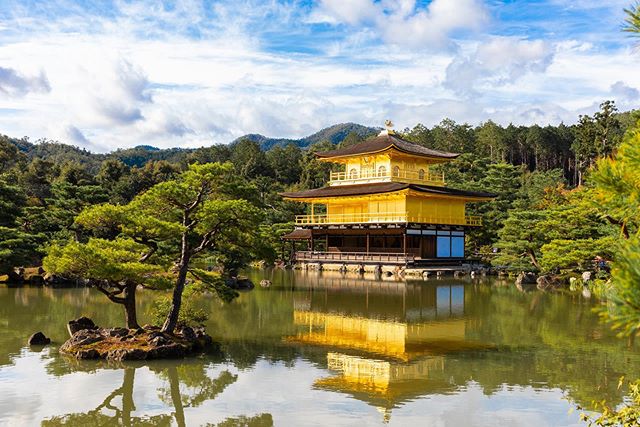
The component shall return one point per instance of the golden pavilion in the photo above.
(387, 206)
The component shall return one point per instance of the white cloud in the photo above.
(403, 23)
(14, 83)
(141, 78)
(624, 92)
(500, 61)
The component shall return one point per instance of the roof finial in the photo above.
(388, 124)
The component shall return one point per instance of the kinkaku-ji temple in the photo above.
(387, 207)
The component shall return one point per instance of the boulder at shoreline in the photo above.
(38, 339)
(135, 344)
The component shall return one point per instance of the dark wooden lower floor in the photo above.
(402, 244)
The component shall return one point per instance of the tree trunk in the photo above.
(130, 306)
(172, 317)
(534, 260)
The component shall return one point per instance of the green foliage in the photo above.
(192, 311)
(249, 160)
(562, 254)
(520, 240)
(618, 191)
(504, 180)
(626, 414)
(285, 163)
(17, 249)
(632, 20)
(101, 260)
(314, 172)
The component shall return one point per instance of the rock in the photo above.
(526, 281)
(169, 351)
(86, 340)
(159, 341)
(120, 354)
(154, 334)
(135, 344)
(36, 279)
(526, 278)
(151, 327)
(118, 332)
(41, 271)
(15, 276)
(265, 283)
(188, 333)
(80, 324)
(548, 282)
(87, 354)
(586, 277)
(51, 279)
(38, 339)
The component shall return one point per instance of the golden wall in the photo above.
(419, 209)
(384, 164)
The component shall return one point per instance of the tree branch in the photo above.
(111, 295)
(621, 224)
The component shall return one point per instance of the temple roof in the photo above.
(298, 234)
(383, 142)
(381, 188)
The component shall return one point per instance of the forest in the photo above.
(544, 217)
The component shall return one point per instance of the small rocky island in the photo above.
(89, 341)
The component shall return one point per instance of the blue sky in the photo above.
(109, 74)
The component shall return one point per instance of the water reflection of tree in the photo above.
(119, 415)
(197, 387)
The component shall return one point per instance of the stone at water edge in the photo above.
(549, 282)
(80, 324)
(137, 344)
(586, 277)
(526, 278)
(38, 339)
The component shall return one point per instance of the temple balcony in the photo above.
(387, 217)
(395, 175)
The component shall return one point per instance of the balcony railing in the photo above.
(391, 258)
(387, 217)
(362, 177)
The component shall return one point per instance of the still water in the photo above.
(326, 350)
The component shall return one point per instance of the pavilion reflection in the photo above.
(387, 342)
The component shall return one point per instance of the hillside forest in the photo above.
(545, 216)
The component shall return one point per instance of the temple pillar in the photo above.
(368, 243)
(404, 242)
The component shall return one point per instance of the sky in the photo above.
(108, 74)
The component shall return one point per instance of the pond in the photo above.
(328, 350)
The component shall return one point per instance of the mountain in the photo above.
(60, 153)
(334, 134)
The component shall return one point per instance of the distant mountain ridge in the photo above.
(334, 134)
(60, 153)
